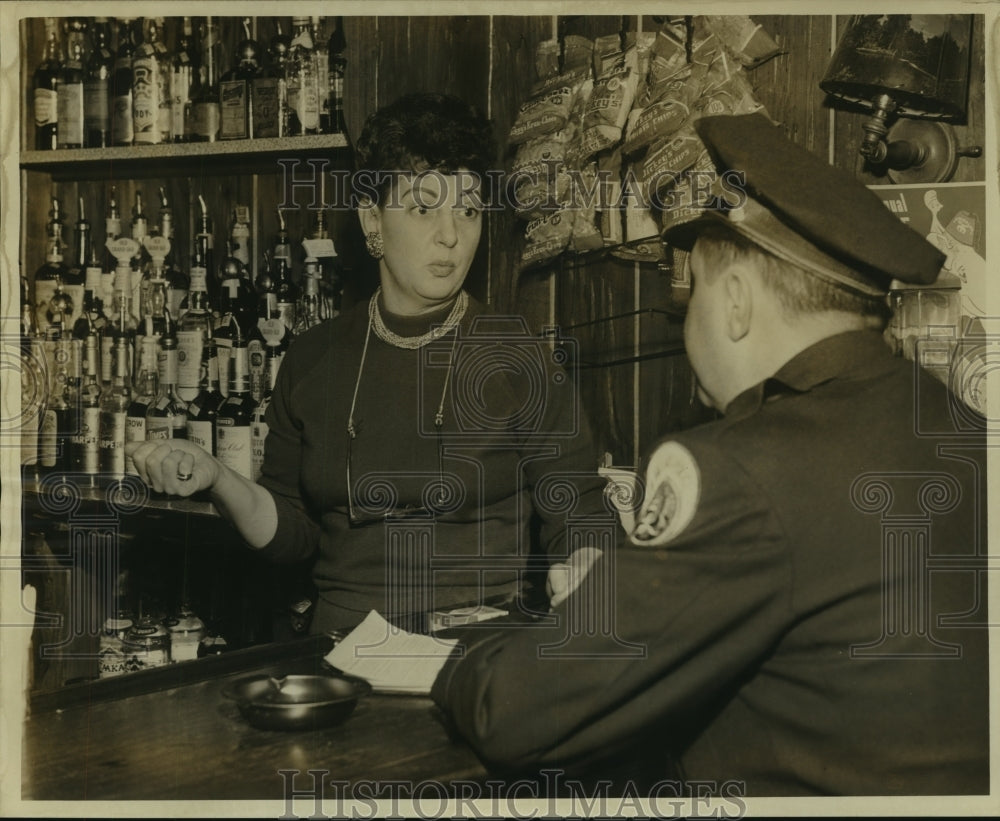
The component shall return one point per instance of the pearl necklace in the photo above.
(413, 342)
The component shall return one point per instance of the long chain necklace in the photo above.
(451, 323)
(413, 342)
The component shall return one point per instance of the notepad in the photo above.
(390, 659)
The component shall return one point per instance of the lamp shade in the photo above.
(920, 60)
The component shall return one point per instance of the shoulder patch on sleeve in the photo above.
(672, 492)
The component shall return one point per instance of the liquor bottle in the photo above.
(166, 417)
(45, 87)
(236, 103)
(240, 235)
(115, 401)
(182, 67)
(69, 97)
(91, 320)
(164, 62)
(33, 377)
(287, 294)
(112, 230)
(97, 88)
(265, 91)
(301, 77)
(258, 426)
(235, 415)
(194, 329)
(123, 249)
(96, 313)
(308, 311)
(282, 243)
(335, 48)
(155, 309)
(53, 272)
(149, 70)
(177, 281)
(205, 97)
(57, 419)
(269, 331)
(264, 283)
(236, 307)
(278, 68)
(204, 253)
(321, 58)
(121, 84)
(74, 281)
(146, 392)
(84, 448)
(140, 262)
(204, 407)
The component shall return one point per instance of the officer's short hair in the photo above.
(798, 291)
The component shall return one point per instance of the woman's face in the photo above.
(430, 225)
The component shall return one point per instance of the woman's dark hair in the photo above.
(418, 132)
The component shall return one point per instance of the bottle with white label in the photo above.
(204, 408)
(235, 415)
(166, 417)
(193, 330)
(115, 401)
(146, 390)
(302, 80)
(69, 98)
(45, 83)
(149, 67)
(84, 448)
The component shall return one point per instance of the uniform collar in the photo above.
(854, 354)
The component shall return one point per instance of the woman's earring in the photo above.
(373, 242)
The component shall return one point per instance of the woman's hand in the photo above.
(174, 466)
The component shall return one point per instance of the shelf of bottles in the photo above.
(172, 322)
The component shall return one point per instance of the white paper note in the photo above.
(390, 659)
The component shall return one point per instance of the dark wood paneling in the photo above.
(513, 45)
(788, 84)
(445, 54)
(360, 79)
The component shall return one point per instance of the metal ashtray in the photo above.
(296, 702)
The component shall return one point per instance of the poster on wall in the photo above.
(952, 216)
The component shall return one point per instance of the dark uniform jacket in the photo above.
(801, 609)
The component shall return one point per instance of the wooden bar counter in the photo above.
(170, 734)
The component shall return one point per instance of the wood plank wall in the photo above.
(490, 62)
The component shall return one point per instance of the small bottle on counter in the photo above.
(186, 634)
(146, 645)
(113, 661)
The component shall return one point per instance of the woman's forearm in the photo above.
(247, 505)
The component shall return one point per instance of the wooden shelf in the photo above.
(195, 157)
(128, 497)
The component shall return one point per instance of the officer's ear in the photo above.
(738, 291)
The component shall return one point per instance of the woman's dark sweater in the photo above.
(513, 445)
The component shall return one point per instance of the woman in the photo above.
(413, 438)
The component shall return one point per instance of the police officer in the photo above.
(800, 608)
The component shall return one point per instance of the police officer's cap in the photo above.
(805, 211)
